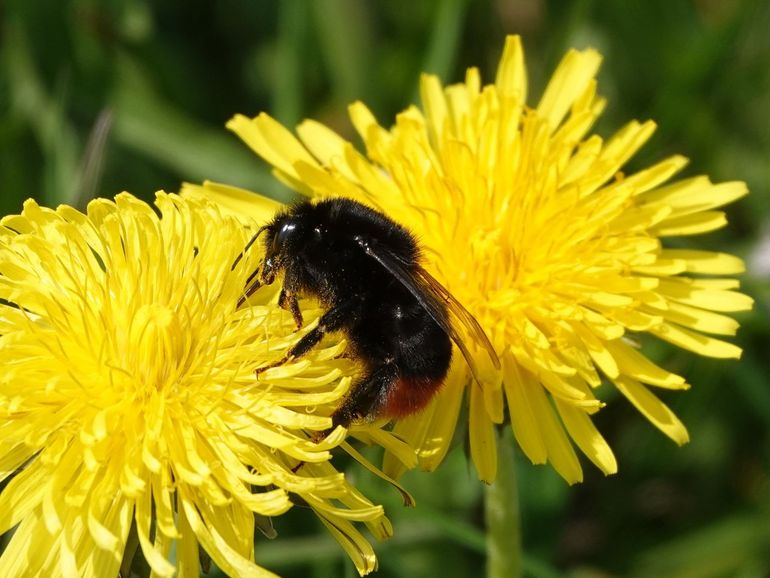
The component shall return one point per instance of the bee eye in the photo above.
(285, 233)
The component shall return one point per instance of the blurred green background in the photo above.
(102, 96)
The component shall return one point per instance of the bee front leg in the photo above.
(288, 300)
(332, 320)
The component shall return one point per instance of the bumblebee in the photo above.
(365, 269)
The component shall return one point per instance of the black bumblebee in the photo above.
(365, 270)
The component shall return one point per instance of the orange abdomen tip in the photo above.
(408, 395)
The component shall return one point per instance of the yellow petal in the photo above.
(23, 493)
(715, 299)
(321, 141)
(696, 342)
(102, 535)
(696, 195)
(707, 262)
(68, 551)
(587, 437)
(395, 445)
(366, 125)
(159, 564)
(275, 144)
(598, 351)
(239, 202)
(695, 224)
(700, 319)
(270, 140)
(406, 496)
(662, 267)
(636, 365)
(657, 174)
(225, 557)
(482, 437)
(354, 544)
(560, 451)
(568, 82)
(164, 513)
(188, 557)
(11, 458)
(435, 106)
(622, 146)
(653, 409)
(511, 80)
(524, 420)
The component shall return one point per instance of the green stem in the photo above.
(504, 557)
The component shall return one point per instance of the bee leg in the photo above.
(366, 395)
(332, 320)
(288, 297)
(288, 300)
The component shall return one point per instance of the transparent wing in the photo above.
(461, 314)
(436, 300)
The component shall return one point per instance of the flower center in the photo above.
(157, 347)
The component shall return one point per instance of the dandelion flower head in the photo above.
(526, 217)
(128, 396)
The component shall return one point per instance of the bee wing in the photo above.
(461, 314)
(431, 294)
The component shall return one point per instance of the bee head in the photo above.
(280, 243)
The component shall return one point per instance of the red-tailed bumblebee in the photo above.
(365, 270)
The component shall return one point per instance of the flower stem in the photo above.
(504, 558)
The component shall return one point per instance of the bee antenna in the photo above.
(251, 289)
(248, 246)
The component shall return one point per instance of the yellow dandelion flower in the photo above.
(128, 396)
(528, 221)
